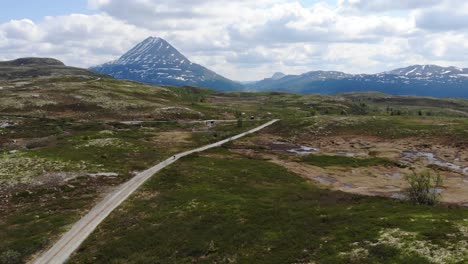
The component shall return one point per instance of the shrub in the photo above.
(10, 257)
(423, 187)
(240, 123)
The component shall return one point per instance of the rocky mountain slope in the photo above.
(155, 61)
(421, 80)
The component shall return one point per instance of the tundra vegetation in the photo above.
(67, 141)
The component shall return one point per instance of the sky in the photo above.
(244, 39)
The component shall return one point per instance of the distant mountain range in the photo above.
(155, 61)
(420, 80)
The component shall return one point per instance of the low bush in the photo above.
(423, 187)
(10, 257)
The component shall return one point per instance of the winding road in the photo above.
(72, 239)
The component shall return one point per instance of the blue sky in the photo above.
(244, 40)
(37, 9)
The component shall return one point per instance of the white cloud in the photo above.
(443, 19)
(386, 5)
(249, 39)
(80, 40)
(24, 29)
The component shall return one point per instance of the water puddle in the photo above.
(411, 156)
(346, 154)
(325, 179)
(104, 174)
(304, 150)
(6, 124)
(349, 186)
(399, 196)
(396, 175)
(437, 190)
(131, 123)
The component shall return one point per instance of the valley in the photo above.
(325, 184)
(234, 132)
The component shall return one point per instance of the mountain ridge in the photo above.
(420, 80)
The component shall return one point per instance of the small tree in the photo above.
(240, 123)
(423, 187)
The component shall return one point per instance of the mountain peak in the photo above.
(278, 75)
(151, 38)
(153, 51)
(156, 61)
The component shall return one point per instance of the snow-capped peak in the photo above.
(425, 71)
(156, 61)
(152, 51)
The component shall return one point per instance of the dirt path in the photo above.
(72, 239)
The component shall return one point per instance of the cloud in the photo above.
(23, 29)
(80, 40)
(178, 14)
(248, 39)
(447, 46)
(443, 19)
(386, 5)
(251, 57)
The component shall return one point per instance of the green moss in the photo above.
(41, 214)
(214, 210)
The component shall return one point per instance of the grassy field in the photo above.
(232, 209)
(105, 98)
(56, 133)
(443, 128)
(46, 186)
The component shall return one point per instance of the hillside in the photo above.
(39, 67)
